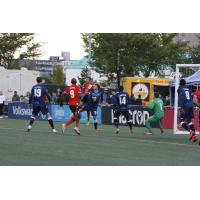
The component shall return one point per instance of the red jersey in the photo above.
(73, 92)
(197, 93)
(87, 87)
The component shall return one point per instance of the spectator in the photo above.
(138, 101)
(112, 100)
(166, 101)
(60, 98)
(106, 97)
(21, 98)
(26, 97)
(132, 100)
(54, 97)
(15, 97)
(2, 101)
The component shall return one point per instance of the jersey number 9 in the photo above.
(72, 93)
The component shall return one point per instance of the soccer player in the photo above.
(88, 87)
(73, 92)
(157, 105)
(38, 96)
(121, 107)
(94, 99)
(186, 106)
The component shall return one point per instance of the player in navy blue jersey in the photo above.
(185, 99)
(121, 107)
(94, 99)
(38, 97)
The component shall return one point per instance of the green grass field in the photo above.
(41, 147)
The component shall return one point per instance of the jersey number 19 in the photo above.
(37, 92)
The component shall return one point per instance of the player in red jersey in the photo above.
(196, 101)
(73, 92)
(88, 87)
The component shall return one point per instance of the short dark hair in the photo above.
(98, 86)
(73, 81)
(156, 94)
(39, 79)
(182, 82)
(89, 78)
(121, 88)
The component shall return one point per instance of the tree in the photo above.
(17, 46)
(195, 54)
(128, 54)
(84, 74)
(58, 76)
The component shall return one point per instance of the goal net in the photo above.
(191, 73)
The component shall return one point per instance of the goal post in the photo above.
(190, 72)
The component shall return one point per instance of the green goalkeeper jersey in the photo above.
(157, 105)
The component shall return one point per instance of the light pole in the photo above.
(89, 51)
(118, 66)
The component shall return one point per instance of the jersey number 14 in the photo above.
(122, 100)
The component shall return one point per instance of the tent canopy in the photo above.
(191, 80)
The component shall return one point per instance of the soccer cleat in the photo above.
(76, 129)
(63, 128)
(148, 133)
(117, 131)
(54, 130)
(191, 135)
(194, 138)
(87, 123)
(161, 131)
(28, 128)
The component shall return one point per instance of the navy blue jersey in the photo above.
(94, 99)
(38, 96)
(121, 101)
(185, 97)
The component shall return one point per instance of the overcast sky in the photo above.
(55, 43)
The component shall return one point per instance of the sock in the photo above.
(185, 126)
(51, 122)
(95, 124)
(32, 121)
(69, 122)
(77, 122)
(130, 125)
(88, 115)
(191, 126)
(116, 122)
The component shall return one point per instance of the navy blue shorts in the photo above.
(91, 109)
(187, 114)
(126, 114)
(43, 109)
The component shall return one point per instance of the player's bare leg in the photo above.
(76, 128)
(88, 118)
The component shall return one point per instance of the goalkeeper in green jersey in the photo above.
(157, 105)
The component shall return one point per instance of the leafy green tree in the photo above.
(58, 76)
(84, 74)
(194, 54)
(128, 54)
(17, 46)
